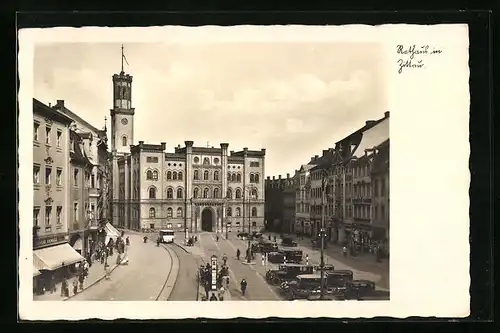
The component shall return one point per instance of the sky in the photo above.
(294, 99)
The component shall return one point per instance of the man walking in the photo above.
(243, 286)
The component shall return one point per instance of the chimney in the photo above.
(325, 152)
(268, 178)
(50, 104)
(179, 146)
(369, 122)
(386, 114)
(316, 157)
(287, 176)
(274, 177)
(163, 145)
(279, 177)
(60, 103)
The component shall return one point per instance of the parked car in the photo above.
(256, 235)
(265, 246)
(242, 235)
(357, 289)
(287, 272)
(288, 241)
(303, 286)
(326, 268)
(291, 254)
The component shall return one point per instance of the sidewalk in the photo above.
(96, 274)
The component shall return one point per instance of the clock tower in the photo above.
(122, 113)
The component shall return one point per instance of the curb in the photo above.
(92, 284)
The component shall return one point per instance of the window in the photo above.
(216, 175)
(254, 164)
(75, 211)
(155, 175)
(196, 175)
(229, 211)
(382, 188)
(152, 159)
(174, 175)
(169, 212)
(254, 211)
(48, 132)
(179, 175)
(238, 177)
(152, 192)
(228, 177)
(149, 175)
(254, 194)
(124, 141)
(251, 178)
(58, 140)
(36, 216)
(58, 214)
(71, 144)
(205, 175)
(36, 126)
(92, 181)
(169, 175)
(216, 192)
(48, 213)
(205, 193)
(206, 160)
(151, 226)
(170, 193)
(196, 192)
(48, 174)
(254, 224)
(179, 212)
(179, 193)
(382, 212)
(256, 178)
(152, 213)
(238, 211)
(229, 193)
(233, 177)
(36, 174)
(92, 208)
(59, 177)
(196, 159)
(75, 177)
(238, 194)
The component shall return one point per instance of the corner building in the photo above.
(191, 189)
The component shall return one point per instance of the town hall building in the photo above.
(191, 189)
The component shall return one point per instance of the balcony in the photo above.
(93, 192)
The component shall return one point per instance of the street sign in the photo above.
(214, 272)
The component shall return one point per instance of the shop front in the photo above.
(53, 259)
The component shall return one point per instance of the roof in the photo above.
(373, 137)
(74, 116)
(380, 161)
(77, 154)
(47, 111)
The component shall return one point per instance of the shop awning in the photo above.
(52, 258)
(111, 231)
(36, 272)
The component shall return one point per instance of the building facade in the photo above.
(303, 199)
(380, 195)
(52, 255)
(289, 193)
(191, 189)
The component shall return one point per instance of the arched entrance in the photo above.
(207, 218)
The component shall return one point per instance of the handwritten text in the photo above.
(413, 56)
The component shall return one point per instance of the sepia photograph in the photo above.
(222, 171)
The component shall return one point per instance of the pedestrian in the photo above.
(213, 297)
(81, 278)
(127, 241)
(107, 271)
(238, 253)
(101, 255)
(243, 286)
(207, 289)
(224, 259)
(344, 251)
(64, 287)
(217, 238)
(221, 293)
(158, 240)
(75, 286)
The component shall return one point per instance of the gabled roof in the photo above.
(381, 161)
(372, 137)
(75, 117)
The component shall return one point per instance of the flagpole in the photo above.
(122, 58)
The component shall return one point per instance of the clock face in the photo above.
(124, 121)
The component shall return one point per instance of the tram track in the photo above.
(165, 284)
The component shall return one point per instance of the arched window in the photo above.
(152, 192)
(205, 193)
(229, 193)
(179, 193)
(256, 178)
(205, 175)
(229, 211)
(254, 211)
(179, 175)
(206, 160)
(169, 175)
(196, 192)
(155, 175)
(196, 175)
(228, 177)
(169, 212)
(170, 193)
(216, 175)
(149, 175)
(233, 177)
(238, 211)
(152, 213)
(216, 192)
(174, 175)
(251, 178)
(238, 194)
(254, 194)
(124, 141)
(238, 177)
(179, 212)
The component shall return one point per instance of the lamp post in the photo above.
(90, 217)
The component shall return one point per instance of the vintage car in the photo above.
(291, 254)
(304, 286)
(264, 246)
(243, 235)
(357, 289)
(256, 235)
(339, 278)
(287, 272)
(326, 268)
(288, 241)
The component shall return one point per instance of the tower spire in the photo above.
(123, 55)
